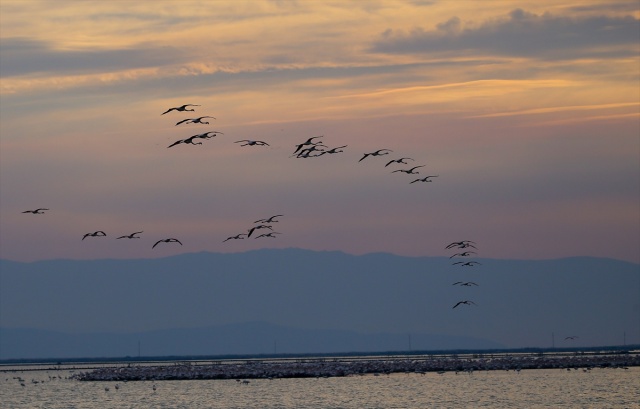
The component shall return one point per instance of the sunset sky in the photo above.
(528, 112)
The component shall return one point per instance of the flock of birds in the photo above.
(464, 244)
(312, 147)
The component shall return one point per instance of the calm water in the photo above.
(541, 388)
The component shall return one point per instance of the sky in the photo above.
(527, 112)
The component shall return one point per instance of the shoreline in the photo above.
(339, 367)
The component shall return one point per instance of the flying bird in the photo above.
(379, 152)
(236, 237)
(181, 108)
(207, 136)
(571, 338)
(39, 210)
(270, 234)
(130, 236)
(468, 263)
(467, 302)
(409, 171)
(260, 226)
(194, 120)
(425, 179)
(171, 240)
(269, 219)
(466, 284)
(98, 233)
(187, 141)
(306, 153)
(333, 150)
(461, 244)
(248, 142)
(464, 254)
(307, 142)
(401, 160)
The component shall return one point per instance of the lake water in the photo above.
(539, 388)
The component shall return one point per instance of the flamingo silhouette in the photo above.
(181, 108)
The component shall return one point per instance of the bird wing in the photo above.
(176, 143)
(157, 242)
(183, 121)
(168, 110)
(365, 155)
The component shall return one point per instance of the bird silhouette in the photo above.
(248, 142)
(464, 254)
(269, 219)
(207, 136)
(130, 236)
(466, 284)
(424, 179)
(337, 149)
(409, 171)
(466, 302)
(307, 142)
(260, 226)
(401, 160)
(379, 152)
(188, 141)
(98, 233)
(270, 234)
(236, 237)
(181, 108)
(39, 210)
(468, 263)
(170, 240)
(307, 152)
(571, 338)
(195, 120)
(461, 244)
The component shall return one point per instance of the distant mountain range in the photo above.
(302, 301)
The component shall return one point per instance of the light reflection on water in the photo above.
(541, 388)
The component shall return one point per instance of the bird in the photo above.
(248, 142)
(207, 136)
(461, 244)
(307, 142)
(260, 226)
(333, 150)
(401, 160)
(424, 179)
(379, 152)
(130, 236)
(269, 219)
(468, 263)
(194, 120)
(466, 302)
(571, 338)
(306, 153)
(270, 234)
(236, 237)
(98, 233)
(466, 284)
(409, 171)
(189, 140)
(39, 210)
(181, 108)
(464, 254)
(171, 240)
